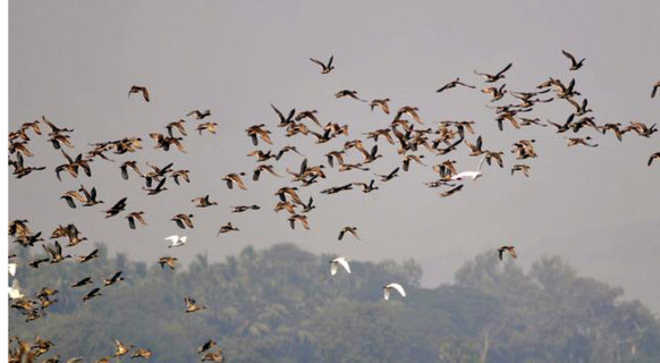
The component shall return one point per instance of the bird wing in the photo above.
(93, 253)
(124, 172)
(318, 62)
(160, 185)
(344, 263)
(479, 73)
(68, 158)
(173, 238)
(391, 175)
(444, 87)
(575, 104)
(481, 163)
(398, 288)
(188, 221)
(240, 183)
(131, 222)
(512, 251)
(508, 66)
(120, 204)
(303, 166)
(279, 114)
(69, 201)
(569, 56)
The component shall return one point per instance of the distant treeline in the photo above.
(281, 305)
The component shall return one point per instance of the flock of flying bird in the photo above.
(404, 134)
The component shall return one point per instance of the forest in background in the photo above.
(281, 305)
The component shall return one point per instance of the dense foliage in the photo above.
(281, 305)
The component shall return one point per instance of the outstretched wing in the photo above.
(333, 268)
(481, 163)
(279, 114)
(344, 263)
(569, 56)
(318, 62)
(508, 66)
(398, 288)
(173, 238)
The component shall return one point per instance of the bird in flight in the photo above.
(139, 89)
(575, 65)
(191, 305)
(452, 84)
(339, 261)
(325, 68)
(198, 115)
(654, 91)
(472, 174)
(176, 240)
(393, 286)
(169, 261)
(350, 229)
(510, 249)
(490, 78)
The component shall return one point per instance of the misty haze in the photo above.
(436, 182)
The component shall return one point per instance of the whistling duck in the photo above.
(139, 89)
(350, 229)
(325, 68)
(575, 65)
(490, 78)
(452, 84)
(510, 249)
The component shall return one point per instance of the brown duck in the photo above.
(139, 89)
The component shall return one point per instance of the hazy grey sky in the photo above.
(75, 60)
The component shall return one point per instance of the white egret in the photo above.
(387, 289)
(14, 290)
(176, 240)
(343, 261)
(471, 174)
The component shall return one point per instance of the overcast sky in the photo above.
(74, 62)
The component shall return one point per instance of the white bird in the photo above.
(472, 174)
(343, 261)
(387, 288)
(12, 269)
(177, 241)
(14, 292)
